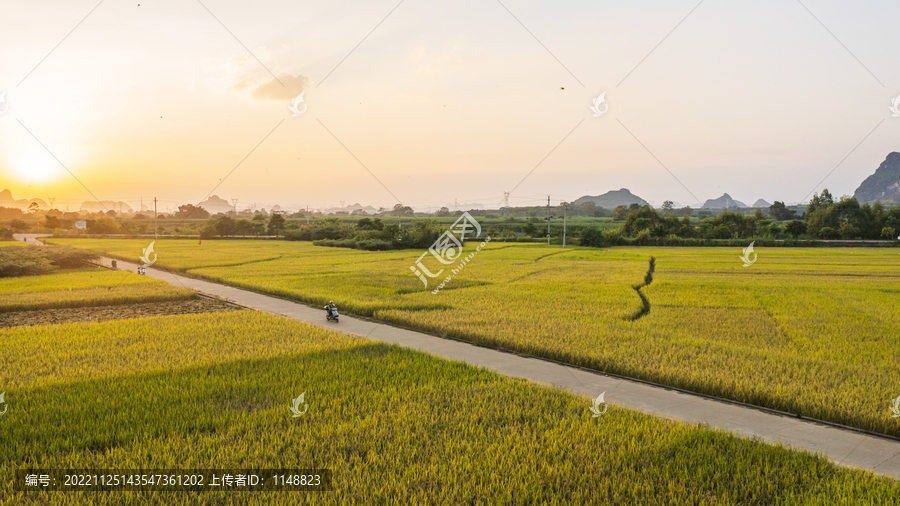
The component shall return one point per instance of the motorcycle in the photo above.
(331, 313)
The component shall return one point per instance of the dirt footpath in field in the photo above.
(104, 313)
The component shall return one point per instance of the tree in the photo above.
(243, 227)
(33, 207)
(258, 225)
(19, 225)
(369, 224)
(444, 211)
(590, 208)
(619, 213)
(225, 226)
(401, 210)
(53, 222)
(276, 224)
(796, 228)
(668, 207)
(819, 202)
(208, 231)
(102, 226)
(191, 211)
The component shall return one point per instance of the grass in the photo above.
(394, 425)
(84, 287)
(808, 331)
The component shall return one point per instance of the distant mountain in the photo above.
(725, 201)
(215, 204)
(7, 200)
(884, 184)
(92, 206)
(351, 208)
(613, 199)
(761, 203)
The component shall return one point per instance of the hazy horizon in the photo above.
(444, 102)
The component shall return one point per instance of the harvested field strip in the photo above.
(106, 313)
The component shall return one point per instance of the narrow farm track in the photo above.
(645, 302)
(844, 446)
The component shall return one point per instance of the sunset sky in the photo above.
(444, 101)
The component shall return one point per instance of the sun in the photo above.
(36, 167)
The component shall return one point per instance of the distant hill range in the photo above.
(761, 203)
(216, 204)
(92, 206)
(613, 199)
(723, 202)
(7, 200)
(884, 184)
(351, 208)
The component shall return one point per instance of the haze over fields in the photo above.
(444, 102)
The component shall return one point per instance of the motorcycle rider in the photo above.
(330, 309)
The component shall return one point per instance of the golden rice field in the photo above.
(395, 426)
(809, 331)
(85, 287)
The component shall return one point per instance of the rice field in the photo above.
(84, 287)
(808, 331)
(393, 425)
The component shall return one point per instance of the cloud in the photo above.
(244, 72)
(285, 87)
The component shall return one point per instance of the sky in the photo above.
(432, 103)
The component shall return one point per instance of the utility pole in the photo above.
(565, 213)
(307, 215)
(51, 199)
(234, 203)
(155, 222)
(548, 220)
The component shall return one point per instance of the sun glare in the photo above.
(37, 167)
